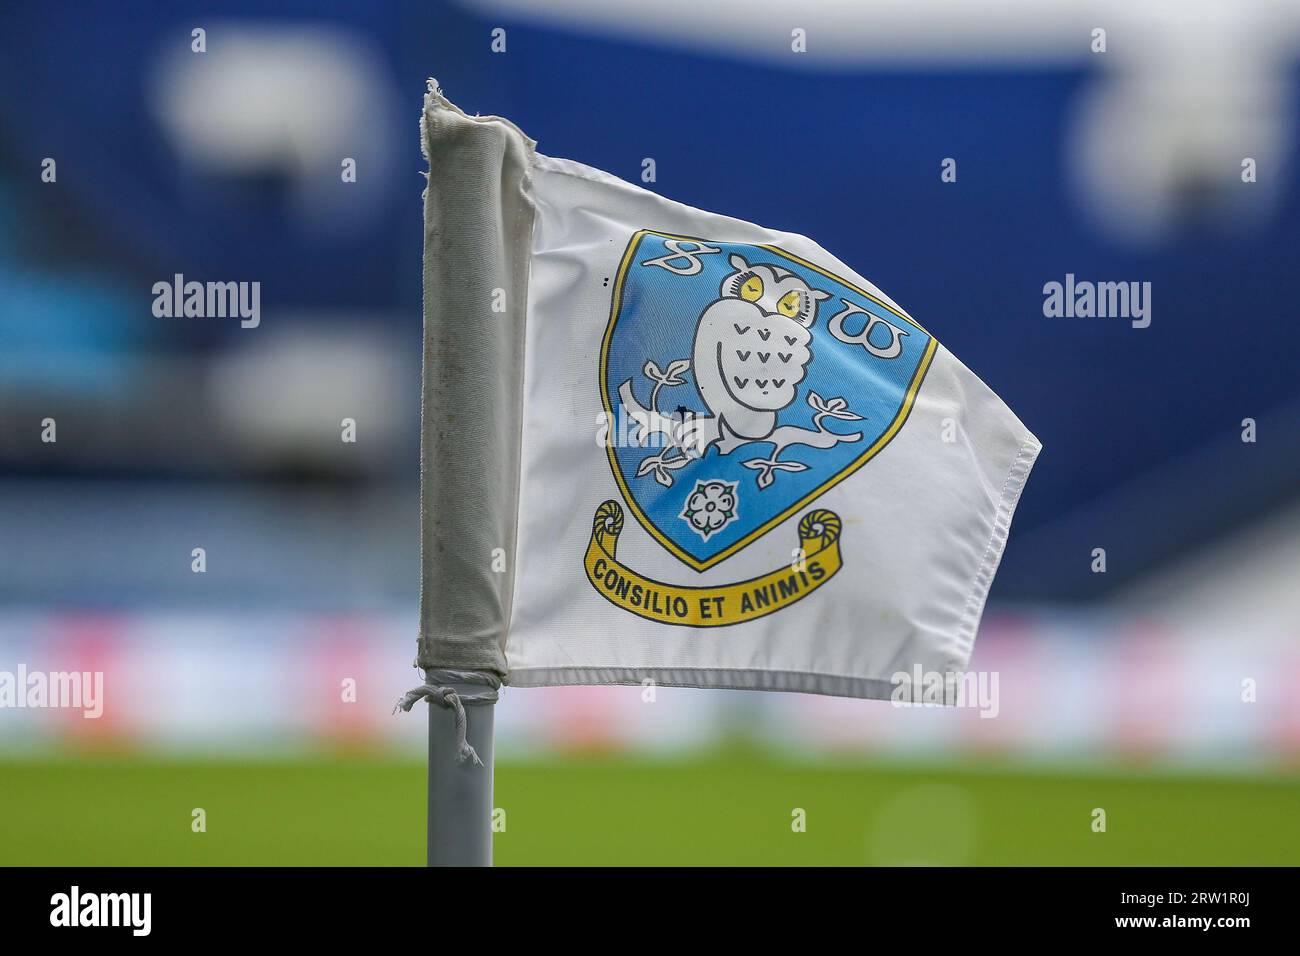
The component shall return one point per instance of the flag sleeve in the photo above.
(478, 223)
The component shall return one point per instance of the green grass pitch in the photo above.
(724, 808)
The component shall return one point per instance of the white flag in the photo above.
(739, 463)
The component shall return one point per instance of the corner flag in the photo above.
(663, 444)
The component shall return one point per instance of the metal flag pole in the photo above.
(460, 763)
(460, 791)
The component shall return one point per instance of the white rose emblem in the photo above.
(710, 507)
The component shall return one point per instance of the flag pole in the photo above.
(460, 792)
(478, 220)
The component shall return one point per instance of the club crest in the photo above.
(743, 376)
(740, 382)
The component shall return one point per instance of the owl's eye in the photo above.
(790, 304)
(751, 290)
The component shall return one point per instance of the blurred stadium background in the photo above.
(1120, 690)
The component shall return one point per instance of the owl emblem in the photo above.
(751, 348)
(751, 351)
(738, 382)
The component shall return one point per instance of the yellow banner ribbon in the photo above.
(718, 605)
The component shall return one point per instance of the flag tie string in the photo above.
(435, 691)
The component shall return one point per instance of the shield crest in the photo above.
(740, 382)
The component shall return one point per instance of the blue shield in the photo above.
(740, 382)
